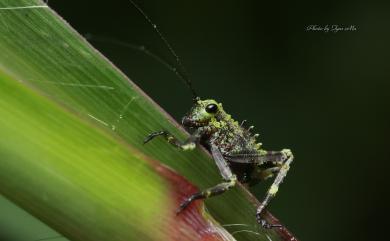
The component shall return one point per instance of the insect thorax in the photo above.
(232, 138)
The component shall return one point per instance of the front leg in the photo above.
(188, 144)
(228, 176)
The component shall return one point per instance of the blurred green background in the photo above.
(323, 95)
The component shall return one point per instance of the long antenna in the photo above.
(140, 48)
(183, 75)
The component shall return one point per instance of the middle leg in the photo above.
(228, 176)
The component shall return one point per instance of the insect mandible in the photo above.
(235, 150)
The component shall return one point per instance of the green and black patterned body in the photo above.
(233, 138)
(237, 154)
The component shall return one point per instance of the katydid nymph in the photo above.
(233, 146)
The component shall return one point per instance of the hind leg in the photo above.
(285, 163)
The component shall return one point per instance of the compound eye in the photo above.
(212, 108)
